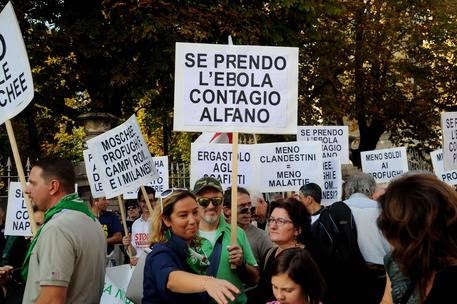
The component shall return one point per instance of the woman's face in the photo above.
(286, 291)
(184, 219)
(281, 228)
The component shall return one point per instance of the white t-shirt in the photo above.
(209, 235)
(140, 235)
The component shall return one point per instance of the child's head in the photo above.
(296, 278)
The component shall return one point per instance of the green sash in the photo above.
(71, 202)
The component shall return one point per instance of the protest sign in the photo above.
(384, 164)
(287, 166)
(122, 158)
(116, 282)
(449, 131)
(16, 84)
(333, 181)
(160, 184)
(95, 183)
(216, 161)
(335, 140)
(449, 177)
(17, 217)
(235, 88)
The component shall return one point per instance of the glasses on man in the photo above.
(278, 221)
(131, 207)
(205, 201)
(247, 210)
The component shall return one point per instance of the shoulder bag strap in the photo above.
(215, 257)
(267, 257)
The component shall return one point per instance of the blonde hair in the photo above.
(159, 229)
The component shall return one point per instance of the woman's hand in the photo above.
(220, 290)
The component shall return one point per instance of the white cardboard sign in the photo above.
(385, 164)
(287, 166)
(335, 140)
(449, 177)
(95, 183)
(17, 216)
(236, 88)
(160, 184)
(116, 281)
(449, 130)
(216, 161)
(333, 181)
(122, 158)
(16, 83)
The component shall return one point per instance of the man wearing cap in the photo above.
(236, 263)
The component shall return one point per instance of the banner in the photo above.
(449, 130)
(449, 177)
(235, 88)
(95, 183)
(385, 164)
(333, 181)
(287, 166)
(16, 84)
(17, 217)
(122, 158)
(216, 161)
(160, 184)
(335, 140)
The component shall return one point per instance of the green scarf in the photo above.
(197, 260)
(71, 202)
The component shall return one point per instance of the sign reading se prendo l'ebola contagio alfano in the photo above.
(236, 88)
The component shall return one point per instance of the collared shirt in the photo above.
(372, 243)
(224, 271)
(160, 262)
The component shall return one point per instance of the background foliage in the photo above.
(381, 65)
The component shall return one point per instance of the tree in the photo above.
(388, 64)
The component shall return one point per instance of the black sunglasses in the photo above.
(204, 201)
(247, 210)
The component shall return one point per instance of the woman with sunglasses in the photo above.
(289, 226)
(175, 269)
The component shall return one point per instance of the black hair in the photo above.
(228, 195)
(60, 169)
(298, 264)
(149, 190)
(313, 190)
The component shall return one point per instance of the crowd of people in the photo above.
(394, 244)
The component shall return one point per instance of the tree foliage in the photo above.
(387, 65)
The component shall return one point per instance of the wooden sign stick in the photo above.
(234, 182)
(20, 172)
(124, 222)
